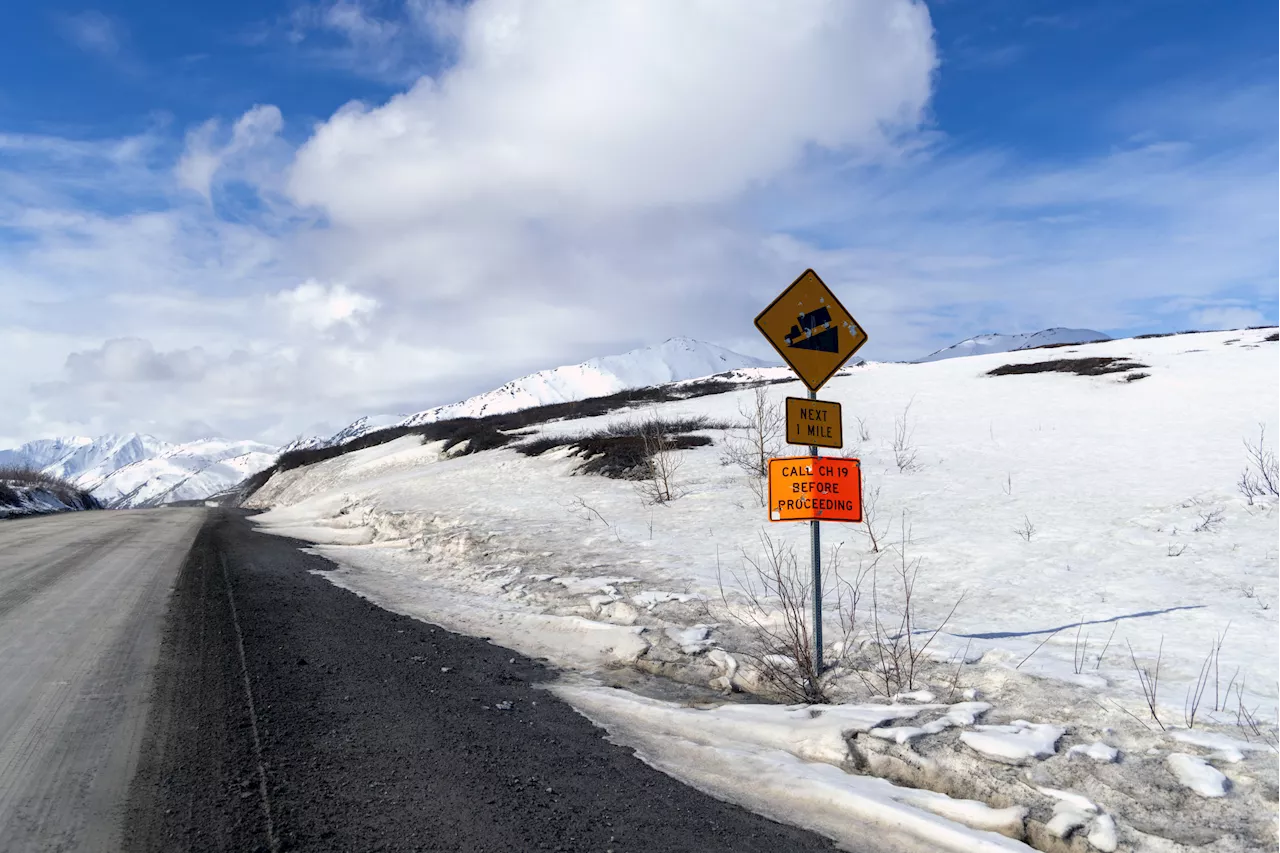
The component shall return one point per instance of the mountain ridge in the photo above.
(994, 342)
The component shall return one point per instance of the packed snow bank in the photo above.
(783, 762)
(1083, 515)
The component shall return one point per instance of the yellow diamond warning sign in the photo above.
(811, 330)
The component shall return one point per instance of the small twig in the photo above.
(1037, 648)
(1114, 625)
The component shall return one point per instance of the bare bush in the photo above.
(773, 600)
(1191, 705)
(1150, 681)
(1261, 477)
(1209, 521)
(661, 467)
(864, 434)
(905, 452)
(897, 650)
(15, 479)
(760, 438)
(1027, 530)
(870, 512)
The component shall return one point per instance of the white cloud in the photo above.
(322, 307)
(250, 136)
(563, 108)
(94, 32)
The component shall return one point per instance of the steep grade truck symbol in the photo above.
(814, 331)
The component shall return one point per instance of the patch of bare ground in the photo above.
(1094, 366)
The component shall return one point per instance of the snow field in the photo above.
(1139, 541)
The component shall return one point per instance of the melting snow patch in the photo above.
(583, 586)
(923, 696)
(690, 640)
(1097, 750)
(650, 598)
(1016, 743)
(1225, 748)
(960, 714)
(778, 761)
(1197, 775)
(1103, 834)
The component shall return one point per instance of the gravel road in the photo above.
(82, 603)
(290, 714)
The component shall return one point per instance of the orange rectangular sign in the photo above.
(815, 488)
(814, 422)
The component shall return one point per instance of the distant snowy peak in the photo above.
(993, 343)
(359, 427)
(190, 471)
(82, 459)
(140, 470)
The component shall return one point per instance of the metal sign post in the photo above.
(815, 542)
(815, 335)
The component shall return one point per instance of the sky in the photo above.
(265, 219)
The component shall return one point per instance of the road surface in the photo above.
(284, 713)
(82, 602)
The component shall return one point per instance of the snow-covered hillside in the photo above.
(1085, 527)
(673, 360)
(139, 470)
(994, 343)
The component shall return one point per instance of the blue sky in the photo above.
(187, 207)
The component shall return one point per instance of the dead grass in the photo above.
(15, 481)
(1095, 366)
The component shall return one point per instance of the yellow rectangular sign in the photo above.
(814, 422)
(815, 488)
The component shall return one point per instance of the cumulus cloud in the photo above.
(553, 108)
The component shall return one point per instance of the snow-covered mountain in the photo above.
(674, 360)
(984, 344)
(135, 470)
(77, 457)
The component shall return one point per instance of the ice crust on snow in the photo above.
(1197, 774)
